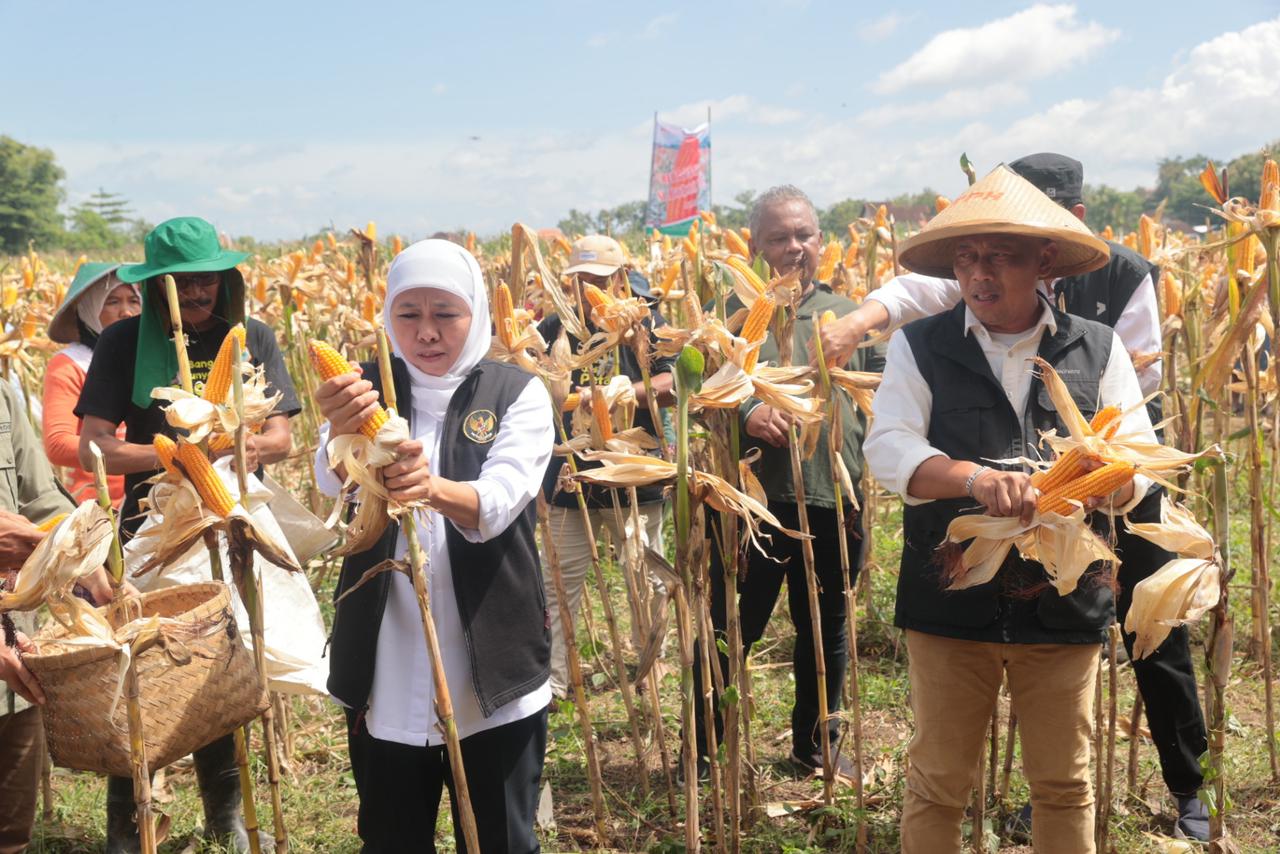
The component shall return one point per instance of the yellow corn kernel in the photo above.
(669, 277)
(1106, 421)
(317, 248)
(218, 384)
(165, 450)
(368, 308)
(756, 327)
(371, 231)
(708, 217)
(1146, 236)
(195, 464)
(882, 217)
(571, 402)
(260, 289)
(1066, 468)
(1107, 233)
(397, 245)
(757, 284)
(1098, 483)
(504, 315)
(221, 442)
(351, 272)
(52, 522)
(1170, 295)
(666, 244)
(471, 242)
(597, 298)
(1270, 198)
(735, 244)
(333, 241)
(600, 412)
(329, 364)
(827, 263)
(690, 248)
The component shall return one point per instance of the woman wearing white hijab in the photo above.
(95, 300)
(482, 435)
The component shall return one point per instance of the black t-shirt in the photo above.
(603, 368)
(108, 387)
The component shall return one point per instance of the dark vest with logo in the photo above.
(1103, 294)
(972, 419)
(498, 583)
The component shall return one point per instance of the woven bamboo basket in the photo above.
(197, 683)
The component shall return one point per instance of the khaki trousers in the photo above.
(21, 738)
(574, 553)
(954, 687)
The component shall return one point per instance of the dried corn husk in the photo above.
(1178, 593)
(76, 547)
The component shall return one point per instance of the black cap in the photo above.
(1059, 177)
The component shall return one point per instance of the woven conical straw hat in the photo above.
(1003, 203)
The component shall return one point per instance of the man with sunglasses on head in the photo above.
(132, 357)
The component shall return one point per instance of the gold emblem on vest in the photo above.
(480, 426)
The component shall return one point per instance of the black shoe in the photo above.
(811, 764)
(1193, 820)
(219, 779)
(122, 831)
(1018, 827)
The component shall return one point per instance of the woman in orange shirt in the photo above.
(95, 300)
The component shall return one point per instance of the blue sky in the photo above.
(275, 119)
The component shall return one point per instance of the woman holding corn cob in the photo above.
(955, 412)
(482, 433)
(131, 358)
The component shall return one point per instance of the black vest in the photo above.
(1103, 294)
(497, 584)
(972, 419)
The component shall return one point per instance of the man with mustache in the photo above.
(785, 233)
(132, 357)
(1122, 295)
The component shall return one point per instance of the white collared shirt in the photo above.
(912, 296)
(898, 442)
(402, 700)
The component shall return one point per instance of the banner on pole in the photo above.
(680, 176)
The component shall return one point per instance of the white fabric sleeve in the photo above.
(1139, 328)
(326, 481)
(512, 475)
(898, 442)
(1119, 387)
(912, 296)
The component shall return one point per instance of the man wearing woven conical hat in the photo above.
(1121, 294)
(956, 397)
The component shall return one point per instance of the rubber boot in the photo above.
(219, 779)
(122, 830)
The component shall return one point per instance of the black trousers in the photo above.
(400, 786)
(1166, 678)
(758, 592)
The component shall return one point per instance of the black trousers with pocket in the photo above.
(758, 591)
(400, 787)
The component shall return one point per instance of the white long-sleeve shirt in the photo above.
(898, 442)
(912, 296)
(402, 701)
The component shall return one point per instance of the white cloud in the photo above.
(439, 89)
(658, 25)
(883, 27)
(956, 104)
(1030, 44)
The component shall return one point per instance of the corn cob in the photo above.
(596, 297)
(708, 217)
(1066, 468)
(371, 231)
(368, 308)
(471, 242)
(227, 360)
(1171, 295)
(52, 522)
(205, 479)
(756, 327)
(260, 289)
(219, 442)
(165, 450)
(571, 402)
(669, 278)
(397, 245)
(827, 263)
(503, 315)
(757, 284)
(1146, 235)
(1106, 421)
(1098, 483)
(600, 412)
(333, 241)
(1270, 198)
(690, 248)
(941, 203)
(1107, 233)
(735, 244)
(317, 248)
(329, 364)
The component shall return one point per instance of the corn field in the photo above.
(612, 772)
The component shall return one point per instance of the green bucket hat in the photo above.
(62, 327)
(182, 245)
(185, 244)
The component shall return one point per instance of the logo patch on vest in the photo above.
(481, 426)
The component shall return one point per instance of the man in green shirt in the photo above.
(785, 232)
(29, 494)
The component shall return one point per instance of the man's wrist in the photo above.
(972, 480)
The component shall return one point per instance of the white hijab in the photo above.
(447, 266)
(89, 305)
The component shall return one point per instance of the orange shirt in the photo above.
(63, 381)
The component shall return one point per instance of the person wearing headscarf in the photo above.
(482, 434)
(131, 358)
(95, 300)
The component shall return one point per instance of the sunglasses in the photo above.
(183, 281)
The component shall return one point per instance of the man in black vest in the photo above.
(957, 395)
(1122, 295)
